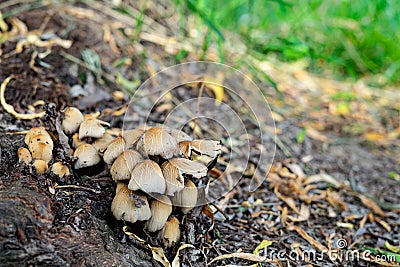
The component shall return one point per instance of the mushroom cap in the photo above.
(87, 156)
(59, 169)
(34, 131)
(173, 178)
(193, 168)
(147, 176)
(41, 150)
(209, 148)
(40, 166)
(124, 164)
(187, 198)
(103, 141)
(75, 140)
(132, 136)
(92, 127)
(184, 148)
(160, 208)
(171, 233)
(157, 142)
(178, 135)
(114, 148)
(72, 119)
(131, 206)
(24, 155)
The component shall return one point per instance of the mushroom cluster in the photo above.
(156, 169)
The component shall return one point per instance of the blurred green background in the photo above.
(342, 38)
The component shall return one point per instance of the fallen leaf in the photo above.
(383, 223)
(303, 216)
(288, 200)
(241, 255)
(262, 245)
(323, 177)
(369, 203)
(314, 134)
(307, 237)
(215, 85)
(345, 225)
(176, 262)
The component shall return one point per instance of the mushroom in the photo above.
(131, 136)
(41, 147)
(124, 164)
(103, 141)
(92, 127)
(193, 168)
(87, 156)
(59, 169)
(75, 140)
(157, 142)
(147, 176)
(184, 148)
(178, 135)
(35, 131)
(209, 148)
(160, 208)
(72, 119)
(187, 198)
(113, 149)
(130, 206)
(173, 178)
(24, 155)
(171, 233)
(40, 166)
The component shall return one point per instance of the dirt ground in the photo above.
(329, 181)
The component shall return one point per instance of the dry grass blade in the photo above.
(241, 255)
(369, 203)
(307, 237)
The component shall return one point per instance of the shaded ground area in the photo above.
(346, 144)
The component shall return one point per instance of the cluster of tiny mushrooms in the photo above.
(154, 167)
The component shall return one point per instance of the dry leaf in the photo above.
(303, 216)
(215, 85)
(262, 245)
(241, 255)
(176, 262)
(383, 223)
(314, 134)
(288, 200)
(323, 177)
(369, 203)
(307, 237)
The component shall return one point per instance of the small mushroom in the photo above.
(103, 141)
(132, 136)
(124, 164)
(92, 127)
(35, 131)
(147, 176)
(130, 206)
(193, 168)
(157, 142)
(184, 148)
(24, 155)
(87, 156)
(187, 198)
(59, 169)
(113, 149)
(41, 147)
(178, 135)
(173, 178)
(171, 233)
(72, 120)
(160, 208)
(209, 148)
(40, 166)
(75, 140)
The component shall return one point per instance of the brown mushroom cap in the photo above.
(72, 119)
(132, 136)
(171, 233)
(114, 149)
(24, 155)
(187, 198)
(41, 147)
(102, 142)
(178, 135)
(87, 156)
(40, 166)
(173, 178)
(209, 148)
(160, 208)
(92, 127)
(184, 148)
(58, 168)
(147, 176)
(124, 164)
(196, 169)
(157, 142)
(35, 131)
(75, 140)
(131, 206)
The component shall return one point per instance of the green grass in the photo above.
(341, 37)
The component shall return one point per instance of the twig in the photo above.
(77, 187)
